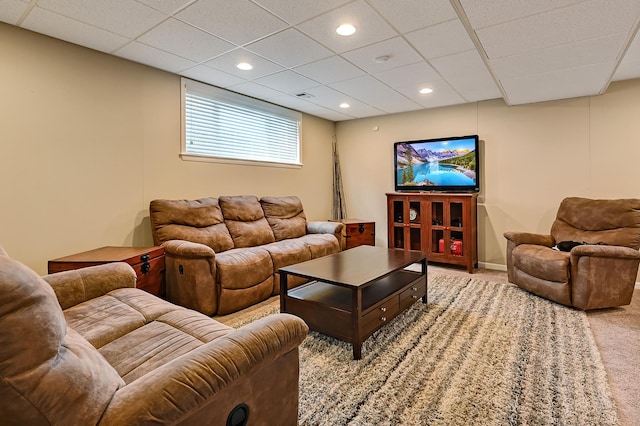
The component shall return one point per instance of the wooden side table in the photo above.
(357, 232)
(148, 262)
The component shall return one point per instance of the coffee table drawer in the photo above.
(378, 316)
(412, 294)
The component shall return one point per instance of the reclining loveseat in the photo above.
(86, 347)
(223, 254)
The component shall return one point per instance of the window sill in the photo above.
(208, 159)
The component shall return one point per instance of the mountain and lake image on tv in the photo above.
(445, 164)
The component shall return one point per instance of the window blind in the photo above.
(226, 125)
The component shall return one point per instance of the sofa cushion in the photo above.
(243, 268)
(321, 244)
(288, 252)
(104, 319)
(53, 359)
(245, 220)
(285, 216)
(542, 262)
(198, 221)
(168, 337)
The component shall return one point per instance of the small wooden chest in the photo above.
(148, 262)
(357, 233)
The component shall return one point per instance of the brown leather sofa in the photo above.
(223, 254)
(85, 347)
(599, 273)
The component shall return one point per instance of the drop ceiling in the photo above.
(523, 51)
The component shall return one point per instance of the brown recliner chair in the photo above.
(599, 273)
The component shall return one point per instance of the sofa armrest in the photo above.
(325, 227)
(80, 285)
(204, 384)
(528, 238)
(190, 275)
(187, 249)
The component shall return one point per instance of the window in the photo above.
(219, 125)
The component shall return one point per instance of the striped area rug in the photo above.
(479, 353)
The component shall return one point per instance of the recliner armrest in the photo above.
(601, 250)
(173, 392)
(79, 285)
(187, 249)
(529, 238)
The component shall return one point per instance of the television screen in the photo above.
(445, 164)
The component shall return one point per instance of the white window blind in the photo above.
(219, 124)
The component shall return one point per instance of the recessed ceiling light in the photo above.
(346, 29)
(426, 90)
(344, 105)
(244, 66)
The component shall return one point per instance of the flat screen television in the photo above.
(447, 164)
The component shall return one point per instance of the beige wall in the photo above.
(532, 156)
(87, 140)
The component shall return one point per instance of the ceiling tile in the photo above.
(442, 94)
(12, 10)
(63, 28)
(397, 51)
(297, 11)
(329, 70)
(211, 76)
(167, 6)
(289, 48)
(490, 12)
(298, 104)
(151, 56)
(630, 65)
(227, 63)
(238, 21)
(441, 40)
(327, 97)
(570, 24)
(255, 90)
(559, 57)
(375, 93)
(330, 98)
(468, 75)
(561, 84)
(370, 27)
(287, 81)
(184, 40)
(410, 15)
(125, 17)
(415, 75)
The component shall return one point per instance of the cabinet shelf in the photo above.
(445, 228)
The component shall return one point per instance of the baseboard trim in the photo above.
(492, 266)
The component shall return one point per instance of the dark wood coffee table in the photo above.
(355, 292)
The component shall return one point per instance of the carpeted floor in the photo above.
(482, 352)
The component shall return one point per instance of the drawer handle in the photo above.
(383, 319)
(414, 296)
(414, 288)
(383, 309)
